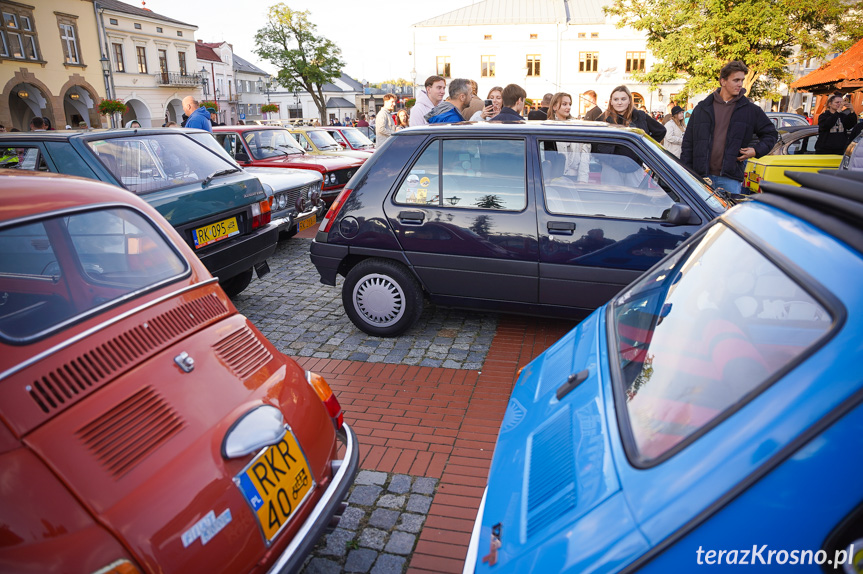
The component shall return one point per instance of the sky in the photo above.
(375, 37)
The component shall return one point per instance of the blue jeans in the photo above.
(725, 183)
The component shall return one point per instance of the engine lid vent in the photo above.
(551, 490)
(243, 353)
(123, 436)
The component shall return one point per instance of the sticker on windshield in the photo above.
(413, 181)
(425, 182)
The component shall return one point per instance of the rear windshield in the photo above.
(60, 269)
(699, 336)
(146, 163)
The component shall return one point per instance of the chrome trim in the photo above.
(313, 518)
(473, 545)
(97, 328)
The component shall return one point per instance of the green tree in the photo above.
(693, 39)
(305, 60)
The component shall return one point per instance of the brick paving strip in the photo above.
(434, 423)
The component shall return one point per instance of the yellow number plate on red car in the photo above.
(276, 483)
(306, 223)
(215, 232)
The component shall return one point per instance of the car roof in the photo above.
(27, 193)
(524, 127)
(248, 128)
(61, 135)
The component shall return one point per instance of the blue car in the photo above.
(710, 414)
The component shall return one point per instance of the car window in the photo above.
(223, 146)
(147, 163)
(697, 336)
(73, 164)
(357, 138)
(804, 145)
(581, 178)
(23, 157)
(338, 137)
(64, 267)
(468, 173)
(265, 144)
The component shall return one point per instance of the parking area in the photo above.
(426, 407)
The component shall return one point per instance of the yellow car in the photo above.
(794, 151)
(318, 141)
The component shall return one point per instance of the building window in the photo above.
(17, 33)
(594, 34)
(487, 37)
(441, 38)
(69, 39)
(533, 64)
(158, 30)
(443, 69)
(142, 59)
(534, 36)
(182, 57)
(137, 26)
(635, 61)
(163, 64)
(112, 21)
(582, 35)
(119, 64)
(487, 69)
(179, 33)
(588, 61)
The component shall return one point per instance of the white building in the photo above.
(340, 97)
(545, 46)
(153, 61)
(251, 87)
(217, 59)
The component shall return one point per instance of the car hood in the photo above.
(325, 162)
(280, 178)
(553, 489)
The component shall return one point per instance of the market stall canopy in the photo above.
(842, 74)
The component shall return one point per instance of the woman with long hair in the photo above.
(834, 125)
(577, 155)
(496, 96)
(676, 127)
(620, 165)
(402, 119)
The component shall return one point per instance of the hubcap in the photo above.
(379, 300)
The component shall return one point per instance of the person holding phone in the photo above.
(492, 105)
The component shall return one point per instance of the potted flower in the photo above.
(409, 103)
(109, 107)
(212, 106)
(269, 108)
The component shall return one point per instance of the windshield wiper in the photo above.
(213, 175)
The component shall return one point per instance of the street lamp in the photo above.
(414, 82)
(106, 71)
(297, 102)
(204, 82)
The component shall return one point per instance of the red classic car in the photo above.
(270, 146)
(145, 425)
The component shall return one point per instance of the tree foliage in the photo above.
(693, 39)
(305, 60)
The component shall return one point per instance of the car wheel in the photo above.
(382, 297)
(236, 284)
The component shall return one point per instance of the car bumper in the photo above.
(295, 554)
(326, 258)
(241, 254)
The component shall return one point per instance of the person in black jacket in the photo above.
(834, 125)
(542, 112)
(718, 138)
(513, 104)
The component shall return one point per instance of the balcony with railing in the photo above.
(177, 79)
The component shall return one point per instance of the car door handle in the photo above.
(561, 227)
(411, 217)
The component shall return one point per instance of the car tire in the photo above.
(236, 284)
(382, 297)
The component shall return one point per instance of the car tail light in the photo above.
(325, 393)
(122, 566)
(334, 210)
(261, 214)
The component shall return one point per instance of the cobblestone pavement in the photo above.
(304, 318)
(378, 531)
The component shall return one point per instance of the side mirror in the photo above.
(679, 214)
(242, 156)
(343, 144)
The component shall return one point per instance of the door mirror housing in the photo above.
(242, 156)
(679, 214)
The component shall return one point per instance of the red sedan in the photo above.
(146, 426)
(270, 146)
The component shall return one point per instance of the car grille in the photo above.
(77, 378)
(344, 175)
(127, 433)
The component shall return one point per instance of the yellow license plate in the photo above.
(306, 223)
(275, 484)
(216, 232)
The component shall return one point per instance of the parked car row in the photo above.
(147, 426)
